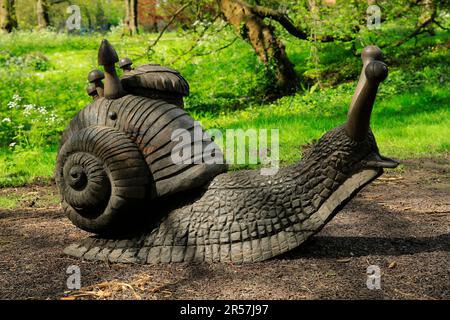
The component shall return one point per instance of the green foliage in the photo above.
(23, 166)
(97, 15)
(37, 62)
(28, 126)
(44, 79)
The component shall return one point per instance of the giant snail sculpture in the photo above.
(114, 171)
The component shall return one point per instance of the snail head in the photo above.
(352, 145)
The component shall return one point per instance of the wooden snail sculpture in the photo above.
(114, 171)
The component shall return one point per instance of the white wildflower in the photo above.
(6, 120)
(12, 144)
(42, 110)
(27, 109)
(12, 104)
(52, 118)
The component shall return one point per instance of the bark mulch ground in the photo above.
(401, 223)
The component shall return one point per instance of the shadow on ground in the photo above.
(400, 223)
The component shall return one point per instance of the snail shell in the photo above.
(115, 157)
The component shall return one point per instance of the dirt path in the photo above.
(401, 223)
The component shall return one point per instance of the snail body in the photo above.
(199, 212)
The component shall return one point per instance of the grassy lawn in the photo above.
(411, 116)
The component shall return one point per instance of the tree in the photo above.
(248, 22)
(254, 24)
(427, 18)
(43, 11)
(8, 19)
(43, 19)
(131, 17)
(263, 23)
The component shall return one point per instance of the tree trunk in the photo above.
(42, 14)
(131, 17)
(429, 11)
(89, 18)
(8, 19)
(261, 36)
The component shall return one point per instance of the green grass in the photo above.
(406, 126)
(20, 167)
(411, 116)
(10, 201)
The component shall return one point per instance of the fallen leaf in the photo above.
(390, 178)
(393, 265)
(330, 273)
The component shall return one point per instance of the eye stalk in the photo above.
(373, 73)
(376, 71)
(107, 57)
(368, 54)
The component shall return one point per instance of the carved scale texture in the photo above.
(243, 216)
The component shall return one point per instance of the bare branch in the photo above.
(287, 23)
(440, 25)
(415, 33)
(281, 18)
(218, 49)
(197, 41)
(172, 19)
(428, 18)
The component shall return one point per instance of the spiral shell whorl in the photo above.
(103, 178)
(87, 186)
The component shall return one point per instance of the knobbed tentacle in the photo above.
(102, 176)
(373, 73)
(107, 57)
(369, 54)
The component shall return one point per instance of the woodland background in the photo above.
(291, 65)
